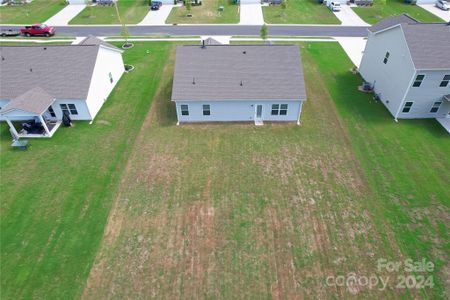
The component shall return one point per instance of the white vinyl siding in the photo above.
(239, 110)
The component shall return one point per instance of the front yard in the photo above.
(207, 13)
(385, 8)
(35, 12)
(226, 210)
(131, 12)
(299, 12)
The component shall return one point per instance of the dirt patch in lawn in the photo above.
(231, 210)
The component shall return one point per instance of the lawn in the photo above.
(34, 12)
(56, 197)
(299, 12)
(207, 13)
(225, 210)
(385, 8)
(131, 12)
(237, 211)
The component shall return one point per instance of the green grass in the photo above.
(233, 210)
(225, 210)
(207, 13)
(405, 164)
(299, 12)
(385, 8)
(35, 12)
(56, 197)
(131, 12)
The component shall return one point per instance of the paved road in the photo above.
(275, 30)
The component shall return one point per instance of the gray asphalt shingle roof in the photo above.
(35, 100)
(93, 40)
(63, 71)
(428, 43)
(392, 21)
(238, 72)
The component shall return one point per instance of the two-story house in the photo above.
(407, 64)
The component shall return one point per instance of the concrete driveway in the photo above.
(64, 16)
(348, 17)
(445, 15)
(354, 47)
(157, 17)
(251, 14)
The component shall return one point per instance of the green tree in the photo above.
(124, 31)
(283, 8)
(188, 5)
(263, 32)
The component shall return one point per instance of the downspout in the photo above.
(404, 97)
(299, 112)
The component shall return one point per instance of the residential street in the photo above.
(227, 30)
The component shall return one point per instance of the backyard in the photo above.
(131, 12)
(207, 13)
(59, 193)
(299, 12)
(385, 8)
(34, 12)
(134, 206)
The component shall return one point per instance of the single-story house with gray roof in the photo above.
(41, 83)
(255, 83)
(408, 65)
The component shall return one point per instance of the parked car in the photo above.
(334, 6)
(9, 32)
(155, 5)
(442, 4)
(38, 29)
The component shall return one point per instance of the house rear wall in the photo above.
(222, 111)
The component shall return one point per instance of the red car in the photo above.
(38, 29)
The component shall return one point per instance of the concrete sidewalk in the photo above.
(64, 16)
(445, 15)
(348, 17)
(354, 47)
(251, 14)
(158, 17)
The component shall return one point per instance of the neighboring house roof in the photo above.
(35, 100)
(447, 97)
(64, 71)
(211, 41)
(93, 40)
(428, 43)
(238, 72)
(392, 21)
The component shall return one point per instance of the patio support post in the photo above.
(44, 125)
(12, 126)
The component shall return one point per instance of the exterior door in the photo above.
(259, 111)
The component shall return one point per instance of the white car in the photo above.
(442, 4)
(334, 6)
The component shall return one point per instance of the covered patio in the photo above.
(33, 113)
